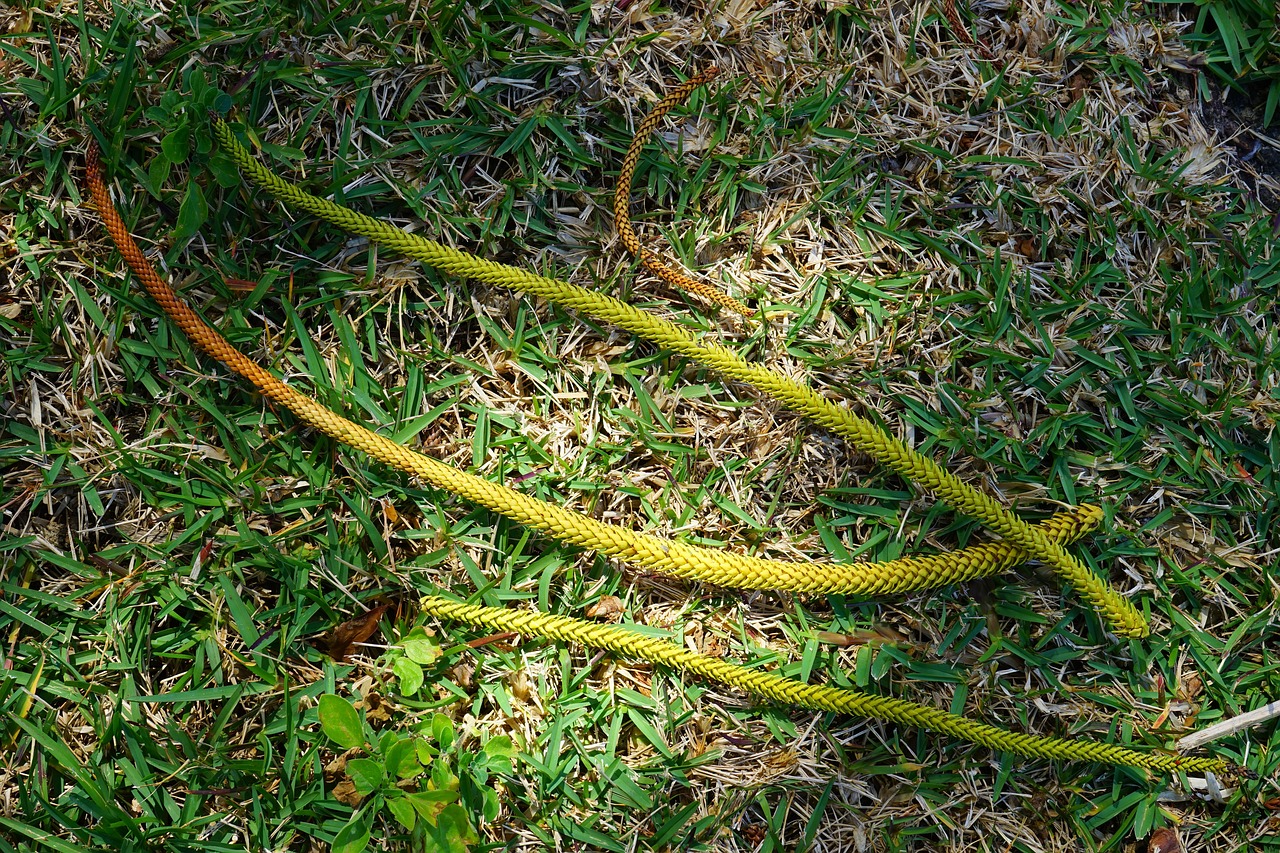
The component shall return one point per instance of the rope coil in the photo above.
(1042, 541)
(796, 396)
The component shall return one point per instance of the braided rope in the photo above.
(799, 397)
(674, 557)
(669, 557)
(788, 691)
(622, 200)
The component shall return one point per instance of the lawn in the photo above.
(1028, 257)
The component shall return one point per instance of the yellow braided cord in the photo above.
(694, 562)
(673, 558)
(787, 691)
(798, 397)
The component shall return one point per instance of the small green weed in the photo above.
(431, 788)
(409, 659)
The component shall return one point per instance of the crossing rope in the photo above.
(1022, 541)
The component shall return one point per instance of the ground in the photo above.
(1052, 270)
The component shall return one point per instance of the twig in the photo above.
(1229, 727)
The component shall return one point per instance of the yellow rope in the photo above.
(801, 398)
(670, 557)
(787, 691)
(721, 567)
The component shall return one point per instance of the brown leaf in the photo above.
(375, 708)
(1077, 87)
(518, 682)
(108, 566)
(338, 642)
(23, 23)
(608, 608)
(334, 769)
(345, 792)
(499, 639)
(1164, 841)
(462, 674)
(880, 635)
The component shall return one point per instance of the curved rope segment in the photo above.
(622, 201)
(669, 557)
(788, 691)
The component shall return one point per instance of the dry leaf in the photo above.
(1164, 841)
(495, 639)
(1077, 87)
(879, 635)
(345, 792)
(376, 709)
(338, 642)
(518, 681)
(334, 769)
(608, 608)
(23, 24)
(462, 675)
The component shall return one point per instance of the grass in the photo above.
(1044, 274)
(1236, 40)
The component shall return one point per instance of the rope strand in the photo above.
(622, 200)
(788, 691)
(670, 557)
